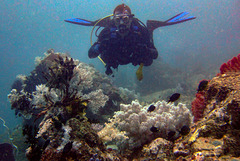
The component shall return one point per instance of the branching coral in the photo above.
(21, 102)
(42, 95)
(60, 74)
(97, 100)
(127, 95)
(83, 77)
(65, 80)
(136, 121)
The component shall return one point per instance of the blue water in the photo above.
(29, 28)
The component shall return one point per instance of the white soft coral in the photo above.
(136, 121)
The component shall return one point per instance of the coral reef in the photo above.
(97, 100)
(127, 95)
(213, 137)
(136, 122)
(158, 149)
(53, 101)
(216, 135)
(58, 78)
(21, 102)
(64, 103)
(111, 134)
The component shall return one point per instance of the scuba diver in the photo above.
(125, 39)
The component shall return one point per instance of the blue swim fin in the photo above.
(153, 24)
(79, 21)
(178, 18)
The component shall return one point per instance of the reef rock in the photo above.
(217, 135)
(158, 149)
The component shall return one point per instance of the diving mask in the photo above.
(121, 19)
(123, 22)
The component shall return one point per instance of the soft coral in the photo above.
(198, 106)
(233, 65)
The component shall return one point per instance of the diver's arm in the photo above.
(98, 47)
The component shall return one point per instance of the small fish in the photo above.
(174, 97)
(154, 129)
(170, 135)
(67, 147)
(202, 85)
(151, 108)
(184, 130)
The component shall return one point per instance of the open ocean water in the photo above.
(30, 28)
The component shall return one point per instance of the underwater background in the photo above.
(200, 46)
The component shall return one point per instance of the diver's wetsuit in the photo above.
(136, 47)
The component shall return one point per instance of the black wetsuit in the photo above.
(136, 47)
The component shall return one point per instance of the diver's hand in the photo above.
(153, 52)
(94, 51)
